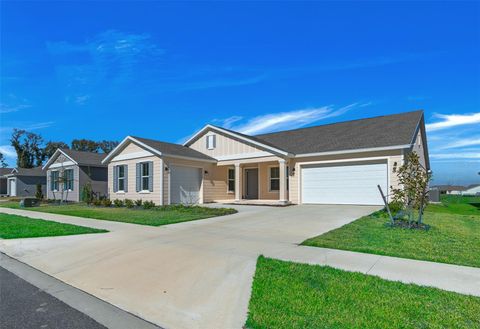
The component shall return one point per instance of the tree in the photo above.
(86, 145)
(3, 164)
(107, 146)
(29, 149)
(414, 179)
(51, 147)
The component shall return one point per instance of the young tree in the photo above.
(413, 178)
(51, 147)
(85, 145)
(28, 147)
(3, 164)
(107, 146)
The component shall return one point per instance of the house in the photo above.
(68, 171)
(339, 163)
(450, 189)
(24, 182)
(473, 189)
(3, 180)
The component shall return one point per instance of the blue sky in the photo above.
(104, 70)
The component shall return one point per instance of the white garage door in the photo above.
(185, 184)
(344, 184)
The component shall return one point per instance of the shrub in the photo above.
(118, 203)
(107, 202)
(148, 205)
(129, 203)
(39, 193)
(138, 202)
(97, 202)
(395, 206)
(87, 193)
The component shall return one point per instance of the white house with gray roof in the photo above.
(340, 163)
(67, 172)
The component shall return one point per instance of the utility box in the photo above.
(434, 195)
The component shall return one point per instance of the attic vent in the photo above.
(211, 142)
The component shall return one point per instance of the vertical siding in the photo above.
(226, 145)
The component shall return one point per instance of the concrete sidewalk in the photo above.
(461, 279)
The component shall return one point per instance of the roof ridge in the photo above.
(336, 123)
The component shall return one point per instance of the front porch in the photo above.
(258, 181)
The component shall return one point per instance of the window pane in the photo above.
(274, 184)
(274, 172)
(145, 169)
(121, 184)
(145, 183)
(121, 171)
(231, 186)
(231, 173)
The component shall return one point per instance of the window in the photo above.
(121, 178)
(68, 180)
(145, 177)
(274, 178)
(231, 180)
(211, 142)
(54, 181)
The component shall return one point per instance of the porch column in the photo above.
(237, 181)
(283, 180)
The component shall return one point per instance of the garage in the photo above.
(351, 183)
(185, 184)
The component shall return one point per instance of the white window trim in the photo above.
(144, 192)
(73, 179)
(270, 178)
(211, 137)
(58, 182)
(142, 176)
(118, 180)
(229, 179)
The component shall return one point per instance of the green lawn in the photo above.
(13, 227)
(153, 217)
(453, 237)
(291, 295)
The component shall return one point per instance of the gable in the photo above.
(227, 147)
(131, 151)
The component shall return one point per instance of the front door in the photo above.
(13, 187)
(251, 183)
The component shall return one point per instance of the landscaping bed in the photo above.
(452, 237)
(155, 216)
(13, 227)
(292, 295)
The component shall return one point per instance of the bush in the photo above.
(395, 207)
(39, 193)
(87, 193)
(129, 203)
(107, 202)
(148, 205)
(118, 203)
(138, 202)
(97, 202)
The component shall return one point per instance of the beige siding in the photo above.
(131, 177)
(216, 184)
(418, 147)
(393, 156)
(264, 177)
(225, 146)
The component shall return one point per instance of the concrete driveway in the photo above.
(188, 275)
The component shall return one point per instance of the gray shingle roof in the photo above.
(86, 158)
(173, 149)
(5, 171)
(382, 131)
(37, 171)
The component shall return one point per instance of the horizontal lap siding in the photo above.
(216, 184)
(263, 176)
(71, 195)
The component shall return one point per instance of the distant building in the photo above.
(450, 189)
(473, 189)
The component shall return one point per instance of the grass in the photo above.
(13, 227)
(154, 217)
(453, 237)
(291, 295)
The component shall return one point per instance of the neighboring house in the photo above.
(339, 163)
(472, 190)
(22, 182)
(450, 189)
(3, 180)
(68, 171)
